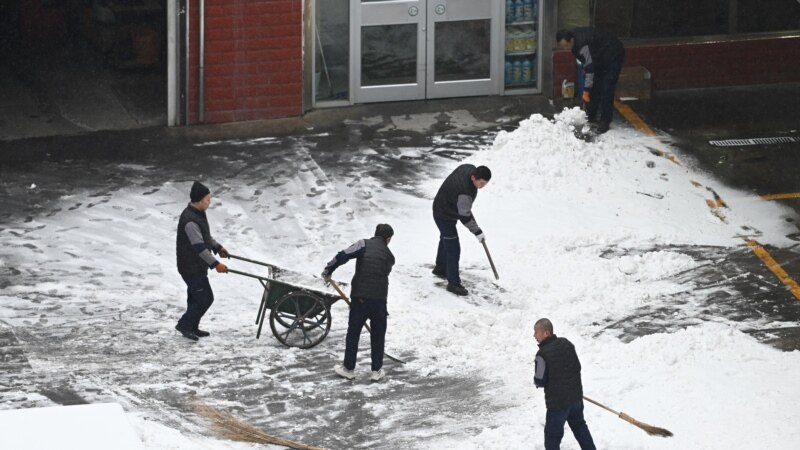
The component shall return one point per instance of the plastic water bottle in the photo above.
(526, 71)
(519, 10)
(516, 72)
(534, 10)
(510, 11)
(509, 72)
(527, 7)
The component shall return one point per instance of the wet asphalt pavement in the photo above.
(690, 120)
(728, 283)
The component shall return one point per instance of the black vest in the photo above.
(189, 263)
(563, 373)
(604, 47)
(457, 183)
(371, 280)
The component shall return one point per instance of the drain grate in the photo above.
(755, 141)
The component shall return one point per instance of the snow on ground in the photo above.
(578, 232)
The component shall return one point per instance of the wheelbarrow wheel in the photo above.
(300, 319)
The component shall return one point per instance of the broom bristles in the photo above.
(228, 426)
(649, 429)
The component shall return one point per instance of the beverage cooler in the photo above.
(521, 64)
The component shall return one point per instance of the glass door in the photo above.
(461, 41)
(415, 49)
(387, 50)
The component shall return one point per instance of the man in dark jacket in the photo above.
(602, 56)
(558, 371)
(370, 289)
(452, 203)
(194, 246)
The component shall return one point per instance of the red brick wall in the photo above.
(704, 64)
(253, 59)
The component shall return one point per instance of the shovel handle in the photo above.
(491, 263)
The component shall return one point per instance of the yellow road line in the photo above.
(637, 121)
(776, 268)
(715, 204)
(780, 196)
(633, 118)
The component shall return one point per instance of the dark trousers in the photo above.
(360, 311)
(554, 427)
(199, 299)
(449, 251)
(602, 92)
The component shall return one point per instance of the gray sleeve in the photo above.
(196, 239)
(214, 244)
(588, 66)
(464, 204)
(354, 251)
(539, 375)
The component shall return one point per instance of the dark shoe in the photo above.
(201, 333)
(602, 127)
(439, 272)
(188, 334)
(457, 289)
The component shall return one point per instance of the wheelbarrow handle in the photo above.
(246, 274)
(242, 258)
(347, 300)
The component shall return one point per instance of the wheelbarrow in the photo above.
(300, 316)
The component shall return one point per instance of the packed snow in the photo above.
(581, 233)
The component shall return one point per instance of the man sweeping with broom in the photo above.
(558, 371)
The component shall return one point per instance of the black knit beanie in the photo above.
(199, 191)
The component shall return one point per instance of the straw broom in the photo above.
(649, 429)
(229, 427)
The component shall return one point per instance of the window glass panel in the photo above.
(755, 16)
(388, 54)
(462, 50)
(332, 59)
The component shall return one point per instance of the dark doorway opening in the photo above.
(74, 66)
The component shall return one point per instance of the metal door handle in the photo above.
(439, 9)
(413, 11)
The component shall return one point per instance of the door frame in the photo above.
(371, 13)
(425, 87)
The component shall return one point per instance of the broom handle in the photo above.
(347, 300)
(601, 405)
(649, 429)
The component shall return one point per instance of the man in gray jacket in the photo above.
(194, 245)
(370, 289)
(453, 203)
